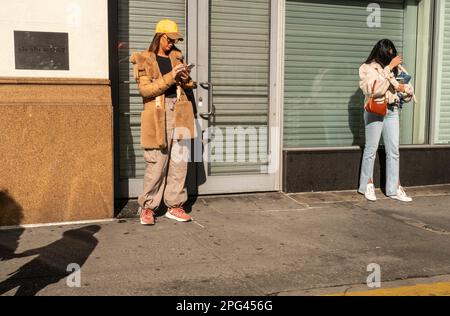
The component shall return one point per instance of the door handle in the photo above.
(211, 110)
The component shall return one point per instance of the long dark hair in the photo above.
(382, 53)
(154, 46)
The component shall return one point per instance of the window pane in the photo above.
(326, 42)
(241, 86)
(443, 93)
(422, 80)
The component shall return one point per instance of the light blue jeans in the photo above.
(390, 128)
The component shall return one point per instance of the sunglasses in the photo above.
(169, 40)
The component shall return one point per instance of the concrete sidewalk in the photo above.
(253, 244)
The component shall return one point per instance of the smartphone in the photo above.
(400, 80)
(190, 66)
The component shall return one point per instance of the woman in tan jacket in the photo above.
(167, 123)
(382, 68)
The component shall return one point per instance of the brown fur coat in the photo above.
(152, 86)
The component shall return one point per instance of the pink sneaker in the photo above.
(147, 216)
(178, 214)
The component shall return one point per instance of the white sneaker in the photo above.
(401, 195)
(370, 192)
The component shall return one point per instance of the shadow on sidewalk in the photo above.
(52, 262)
(11, 214)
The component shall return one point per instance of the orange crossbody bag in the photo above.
(376, 107)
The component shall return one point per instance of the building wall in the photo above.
(339, 169)
(56, 152)
(85, 21)
(56, 148)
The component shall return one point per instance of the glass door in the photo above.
(230, 43)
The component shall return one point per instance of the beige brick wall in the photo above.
(56, 150)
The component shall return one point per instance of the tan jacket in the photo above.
(385, 85)
(152, 86)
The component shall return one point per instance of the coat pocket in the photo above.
(184, 127)
(153, 127)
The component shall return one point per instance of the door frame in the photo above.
(193, 54)
(198, 18)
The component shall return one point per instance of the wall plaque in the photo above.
(41, 50)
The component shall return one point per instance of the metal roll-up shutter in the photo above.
(137, 21)
(240, 55)
(326, 42)
(444, 104)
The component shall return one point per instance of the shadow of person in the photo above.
(126, 119)
(9, 241)
(196, 175)
(356, 124)
(52, 261)
(356, 117)
(11, 214)
(382, 168)
(123, 91)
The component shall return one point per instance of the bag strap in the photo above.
(160, 102)
(373, 87)
(181, 94)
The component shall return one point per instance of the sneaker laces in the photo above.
(371, 189)
(178, 211)
(145, 212)
(401, 192)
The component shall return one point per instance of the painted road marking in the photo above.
(433, 289)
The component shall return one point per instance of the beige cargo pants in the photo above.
(165, 174)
